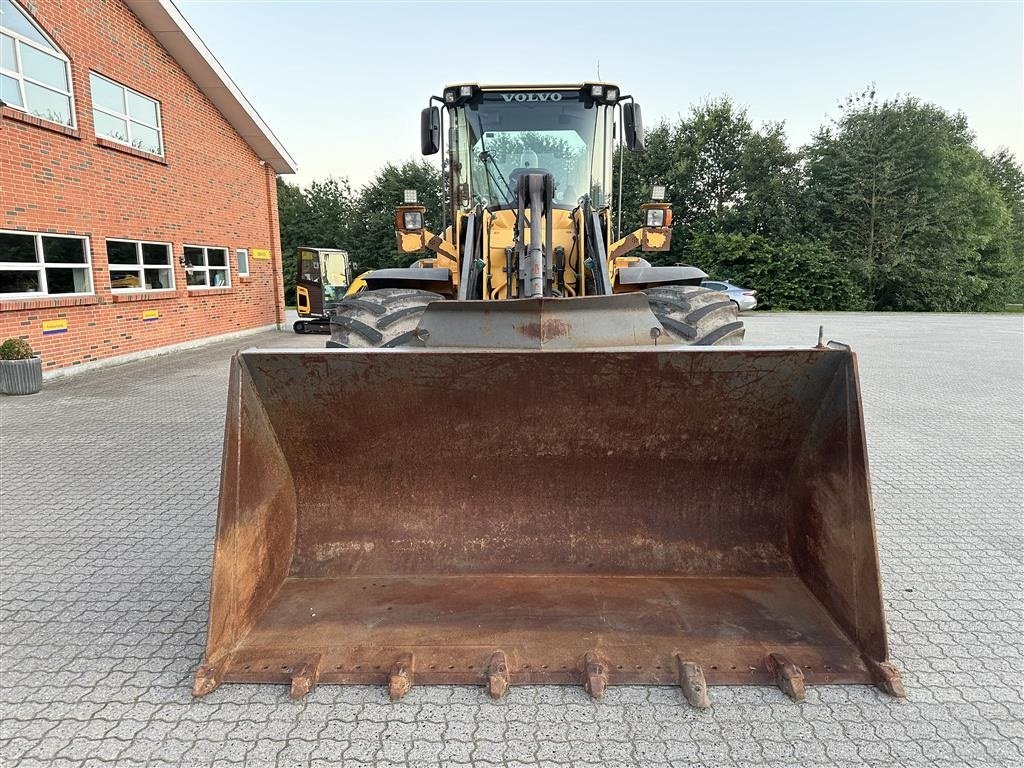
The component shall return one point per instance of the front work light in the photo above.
(459, 94)
(409, 196)
(412, 220)
(611, 95)
(597, 91)
(655, 217)
(658, 192)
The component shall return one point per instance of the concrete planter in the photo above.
(21, 377)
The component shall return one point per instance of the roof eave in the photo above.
(176, 35)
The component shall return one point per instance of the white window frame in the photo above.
(20, 40)
(206, 268)
(159, 127)
(238, 263)
(140, 267)
(40, 265)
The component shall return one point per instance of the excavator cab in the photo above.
(323, 275)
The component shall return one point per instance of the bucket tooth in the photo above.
(400, 681)
(787, 676)
(886, 677)
(497, 675)
(209, 676)
(595, 674)
(691, 680)
(305, 678)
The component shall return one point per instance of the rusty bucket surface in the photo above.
(646, 516)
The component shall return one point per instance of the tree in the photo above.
(330, 207)
(723, 176)
(293, 215)
(708, 158)
(775, 202)
(370, 235)
(1003, 258)
(328, 214)
(316, 217)
(904, 198)
(641, 171)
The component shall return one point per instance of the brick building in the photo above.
(138, 203)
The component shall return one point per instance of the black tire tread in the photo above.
(681, 329)
(681, 304)
(721, 332)
(393, 317)
(695, 316)
(373, 307)
(386, 317)
(368, 332)
(707, 309)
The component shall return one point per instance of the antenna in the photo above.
(598, 69)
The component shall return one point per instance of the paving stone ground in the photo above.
(108, 489)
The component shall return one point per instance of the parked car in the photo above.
(744, 298)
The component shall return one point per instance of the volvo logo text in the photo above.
(531, 96)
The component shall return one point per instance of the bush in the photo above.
(795, 274)
(15, 349)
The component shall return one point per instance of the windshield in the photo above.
(498, 137)
(336, 269)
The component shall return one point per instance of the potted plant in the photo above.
(21, 371)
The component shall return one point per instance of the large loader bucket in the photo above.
(644, 516)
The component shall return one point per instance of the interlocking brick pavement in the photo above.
(108, 500)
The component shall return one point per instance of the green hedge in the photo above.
(794, 275)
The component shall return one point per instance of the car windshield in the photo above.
(501, 136)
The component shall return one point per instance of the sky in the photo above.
(341, 83)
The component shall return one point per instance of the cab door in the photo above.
(336, 274)
(309, 290)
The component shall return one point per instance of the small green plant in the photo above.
(15, 349)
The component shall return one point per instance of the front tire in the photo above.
(386, 317)
(696, 316)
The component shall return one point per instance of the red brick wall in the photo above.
(211, 189)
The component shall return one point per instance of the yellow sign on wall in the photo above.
(55, 326)
(150, 314)
(260, 253)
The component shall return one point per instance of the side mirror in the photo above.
(632, 126)
(430, 130)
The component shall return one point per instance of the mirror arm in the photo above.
(622, 144)
(444, 213)
(618, 224)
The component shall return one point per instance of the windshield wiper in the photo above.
(491, 165)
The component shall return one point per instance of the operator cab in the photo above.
(498, 134)
(323, 276)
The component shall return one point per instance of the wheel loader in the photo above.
(532, 457)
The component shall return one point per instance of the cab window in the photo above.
(309, 266)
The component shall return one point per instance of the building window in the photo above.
(206, 267)
(242, 258)
(35, 76)
(33, 264)
(126, 116)
(138, 266)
